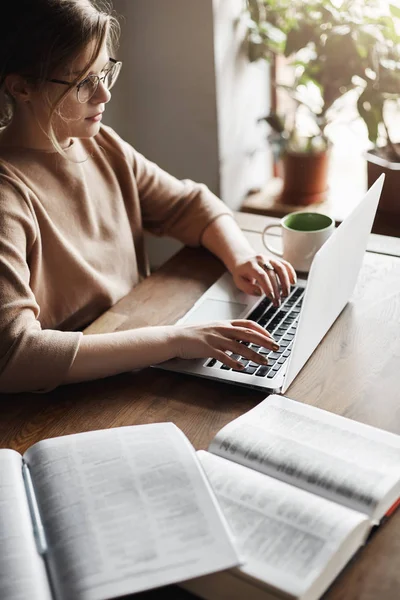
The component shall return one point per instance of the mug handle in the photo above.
(268, 247)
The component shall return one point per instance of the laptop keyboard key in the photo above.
(259, 310)
(250, 370)
(244, 361)
(262, 371)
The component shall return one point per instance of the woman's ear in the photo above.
(18, 88)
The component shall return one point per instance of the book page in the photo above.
(126, 509)
(22, 570)
(288, 538)
(337, 458)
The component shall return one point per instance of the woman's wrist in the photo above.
(224, 238)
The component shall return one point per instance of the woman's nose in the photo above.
(102, 94)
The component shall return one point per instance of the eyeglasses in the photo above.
(86, 89)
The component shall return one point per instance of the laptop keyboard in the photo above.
(281, 322)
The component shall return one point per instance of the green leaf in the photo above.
(370, 108)
(394, 10)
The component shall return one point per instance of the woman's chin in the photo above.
(89, 130)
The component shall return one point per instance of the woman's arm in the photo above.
(102, 355)
(224, 238)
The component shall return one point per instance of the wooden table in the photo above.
(354, 372)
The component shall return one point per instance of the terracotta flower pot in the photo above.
(390, 198)
(305, 178)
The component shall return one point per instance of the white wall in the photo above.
(187, 97)
(242, 97)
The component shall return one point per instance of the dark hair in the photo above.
(40, 36)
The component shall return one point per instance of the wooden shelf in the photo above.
(342, 198)
(266, 202)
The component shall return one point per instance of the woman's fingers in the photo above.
(234, 363)
(288, 268)
(216, 339)
(243, 350)
(227, 360)
(267, 285)
(272, 276)
(247, 323)
(282, 275)
(248, 334)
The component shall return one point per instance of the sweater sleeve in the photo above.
(31, 359)
(178, 208)
(169, 206)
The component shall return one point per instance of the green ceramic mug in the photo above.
(303, 234)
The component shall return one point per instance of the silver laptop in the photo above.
(302, 320)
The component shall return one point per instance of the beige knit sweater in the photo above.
(71, 245)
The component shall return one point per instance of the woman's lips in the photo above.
(95, 118)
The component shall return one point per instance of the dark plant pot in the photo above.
(305, 178)
(376, 165)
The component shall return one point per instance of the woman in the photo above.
(74, 201)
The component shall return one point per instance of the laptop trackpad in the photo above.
(214, 310)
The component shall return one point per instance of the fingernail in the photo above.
(264, 361)
(257, 292)
(240, 366)
(275, 347)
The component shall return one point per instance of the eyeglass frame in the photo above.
(99, 78)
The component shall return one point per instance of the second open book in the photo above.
(301, 489)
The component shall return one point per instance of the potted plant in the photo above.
(378, 103)
(328, 44)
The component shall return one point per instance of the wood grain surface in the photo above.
(355, 372)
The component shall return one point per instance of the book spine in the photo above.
(393, 508)
(38, 530)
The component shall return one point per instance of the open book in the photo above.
(301, 488)
(106, 513)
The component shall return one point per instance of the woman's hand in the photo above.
(257, 274)
(252, 273)
(213, 340)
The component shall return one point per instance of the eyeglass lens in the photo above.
(88, 88)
